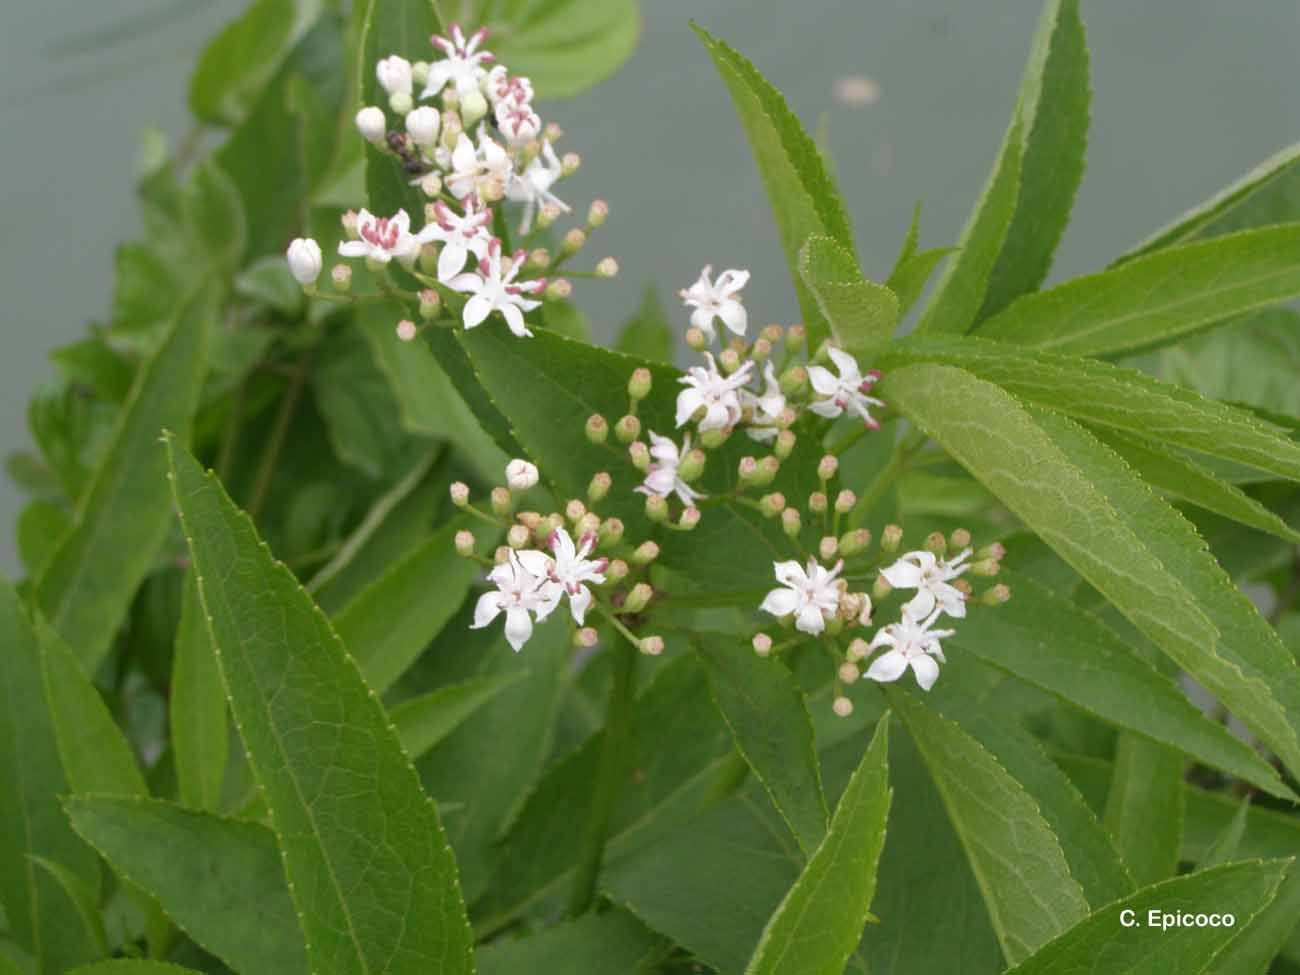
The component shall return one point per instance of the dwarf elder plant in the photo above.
(861, 644)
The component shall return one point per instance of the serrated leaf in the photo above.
(41, 917)
(1083, 661)
(239, 60)
(96, 757)
(132, 966)
(199, 736)
(363, 847)
(1053, 110)
(1159, 298)
(1028, 889)
(613, 941)
(959, 293)
(820, 921)
(219, 880)
(1102, 394)
(83, 896)
(861, 313)
(910, 277)
(1224, 848)
(646, 334)
(123, 516)
(215, 214)
(389, 623)
(423, 721)
(1242, 889)
(802, 194)
(1252, 951)
(1249, 201)
(1085, 503)
(762, 705)
(1144, 807)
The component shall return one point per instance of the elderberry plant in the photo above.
(950, 628)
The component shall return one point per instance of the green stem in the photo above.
(279, 433)
(609, 778)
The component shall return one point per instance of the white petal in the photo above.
(469, 281)
(519, 627)
(688, 401)
(535, 563)
(827, 408)
(450, 261)
(823, 380)
(810, 620)
(486, 609)
(903, 574)
(354, 248)
(847, 365)
(578, 603)
(702, 319)
(733, 315)
(921, 605)
(887, 667)
(789, 572)
(662, 480)
(477, 309)
(926, 671)
(780, 602)
(515, 319)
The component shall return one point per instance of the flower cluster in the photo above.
(476, 143)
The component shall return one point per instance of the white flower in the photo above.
(720, 299)
(766, 407)
(533, 186)
(570, 569)
(519, 594)
(382, 238)
(394, 73)
(914, 644)
(930, 577)
(847, 391)
(499, 85)
(718, 394)
(422, 125)
(517, 120)
(484, 171)
(496, 290)
(811, 594)
(662, 478)
(304, 260)
(521, 475)
(463, 66)
(460, 236)
(371, 124)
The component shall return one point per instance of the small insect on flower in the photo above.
(810, 594)
(720, 300)
(522, 595)
(847, 391)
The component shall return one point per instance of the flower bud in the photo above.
(762, 644)
(638, 387)
(817, 503)
(772, 333)
(828, 547)
(854, 542)
(640, 455)
(459, 494)
(791, 523)
(842, 706)
(692, 465)
(585, 637)
(518, 536)
(606, 267)
(638, 598)
(502, 555)
(573, 242)
(597, 428)
(422, 126)
(827, 467)
(848, 672)
(529, 519)
(747, 470)
(430, 303)
(464, 543)
(611, 532)
(431, 184)
(864, 614)
(994, 551)
(645, 553)
(689, 519)
(473, 106)
(559, 289)
(768, 468)
(599, 486)
(656, 508)
(501, 501)
(521, 475)
(394, 74)
(794, 380)
(963, 587)
(451, 125)
(349, 222)
(569, 163)
(406, 330)
(858, 650)
(587, 525)
(597, 213)
(696, 339)
(881, 588)
(772, 504)
(714, 437)
(552, 133)
(304, 258)
(729, 360)
(890, 538)
(616, 571)
(546, 527)
(844, 502)
(795, 336)
(936, 543)
(784, 444)
(371, 124)
(539, 258)
(547, 215)
(574, 510)
(627, 429)
(959, 539)
(985, 567)
(429, 258)
(761, 351)
(996, 596)
(420, 72)
(341, 276)
(652, 646)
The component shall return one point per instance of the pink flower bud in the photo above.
(652, 646)
(842, 706)
(406, 330)
(459, 494)
(464, 542)
(762, 644)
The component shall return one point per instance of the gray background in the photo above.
(1188, 94)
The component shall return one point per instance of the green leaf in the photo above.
(1225, 845)
(41, 917)
(1144, 808)
(646, 334)
(83, 896)
(1178, 477)
(820, 921)
(96, 757)
(132, 966)
(219, 880)
(372, 875)
(1262, 196)
(423, 721)
(1159, 298)
(767, 716)
(563, 46)
(1053, 113)
(803, 196)
(861, 313)
(1242, 889)
(1252, 951)
(123, 517)
(960, 291)
(912, 273)
(1140, 553)
(216, 215)
(389, 623)
(1101, 394)
(238, 61)
(199, 736)
(613, 941)
(1028, 889)
(1084, 662)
